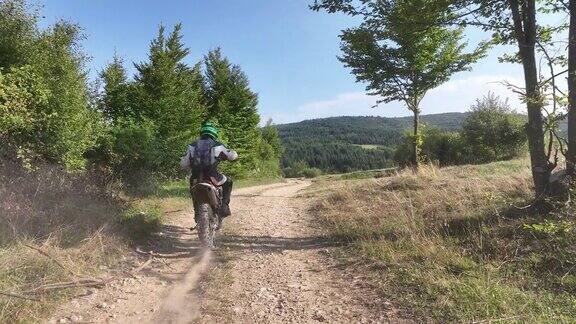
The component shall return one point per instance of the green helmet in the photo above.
(209, 129)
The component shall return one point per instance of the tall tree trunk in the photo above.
(571, 156)
(415, 144)
(524, 17)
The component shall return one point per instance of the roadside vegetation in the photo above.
(457, 243)
(54, 228)
(431, 50)
(471, 243)
(301, 170)
(491, 131)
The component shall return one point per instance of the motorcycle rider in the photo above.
(202, 158)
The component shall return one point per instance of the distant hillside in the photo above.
(364, 130)
(333, 144)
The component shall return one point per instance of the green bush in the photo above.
(133, 152)
(438, 147)
(296, 170)
(312, 172)
(493, 131)
(141, 224)
(43, 92)
(300, 169)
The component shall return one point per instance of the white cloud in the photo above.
(453, 96)
(458, 95)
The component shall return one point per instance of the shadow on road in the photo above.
(173, 242)
(275, 244)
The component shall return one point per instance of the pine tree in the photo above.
(233, 105)
(271, 136)
(169, 93)
(116, 102)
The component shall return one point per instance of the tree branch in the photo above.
(14, 295)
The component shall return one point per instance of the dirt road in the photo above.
(271, 264)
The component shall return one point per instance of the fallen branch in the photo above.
(86, 282)
(46, 254)
(18, 296)
(139, 250)
(173, 211)
(135, 271)
(160, 255)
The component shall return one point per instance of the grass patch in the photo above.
(368, 174)
(22, 269)
(359, 175)
(449, 245)
(139, 224)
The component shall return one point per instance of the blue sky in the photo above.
(288, 52)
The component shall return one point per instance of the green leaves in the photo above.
(403, 48)
(44, 99)
(493, 131)
(399, 50)
(162, 109)
(231, 102)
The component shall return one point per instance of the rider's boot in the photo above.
(226, 193)
(224, 211)
(219, 223)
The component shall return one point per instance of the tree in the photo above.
(515, 22)
(271, 136)
(18, 32)
(60, 127)
(231, 102)
(525, 32)
(396, 57)
(169, 94)
(116, 103)
(571, 156)
(493, 131)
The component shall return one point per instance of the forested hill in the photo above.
(342, 144)
(363, 130)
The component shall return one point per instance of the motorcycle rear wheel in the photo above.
(205, 224)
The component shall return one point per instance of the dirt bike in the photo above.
(207, 200)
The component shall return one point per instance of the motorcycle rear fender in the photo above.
(204, 192)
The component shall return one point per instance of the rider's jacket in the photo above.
(202, 159)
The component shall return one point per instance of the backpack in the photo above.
(202, 160)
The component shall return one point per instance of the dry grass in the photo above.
(448, 244)
(23, 269)
(68, 217)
